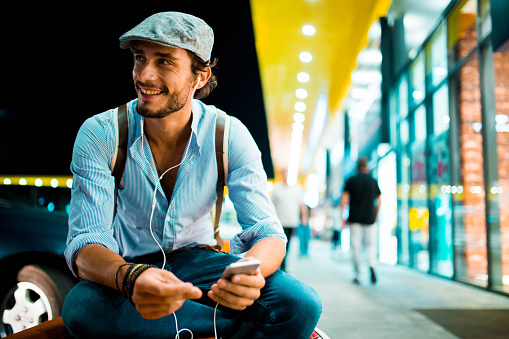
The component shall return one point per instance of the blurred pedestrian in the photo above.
(304, 230)
(288, 201)
(337, 225)
(362, 193)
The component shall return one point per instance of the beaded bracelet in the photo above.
(132, 273)
(125, 281)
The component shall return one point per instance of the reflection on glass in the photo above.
(469, 207)
(403, 132)
(403, 97)
(441, 191)
(501, 62)
(417, 79)
(387, 241)
(461, 25)
(437, 56)
(441, 117)
(419, 213)
(420, 123)
(402, 229)
(485, 18)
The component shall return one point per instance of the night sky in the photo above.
(61, 65)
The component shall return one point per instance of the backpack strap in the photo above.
(222, 136)
(117, 165)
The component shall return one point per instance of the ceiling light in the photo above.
(308, 30)
(54, 183)
(299, 117)
(301, 93)
(300, 106)
(298, 126)
(303, 77)
(305, 57)
(358, 93)
(370, 56)
(440, 71)
(365, 77)
(418, 95)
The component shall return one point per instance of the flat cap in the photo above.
(173, 29)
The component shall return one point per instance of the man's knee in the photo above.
(301, 299)
(308, 303)
(87, 310)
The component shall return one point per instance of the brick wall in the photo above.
(471, 156)
(501, 61)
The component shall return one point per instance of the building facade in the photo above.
(447, 112)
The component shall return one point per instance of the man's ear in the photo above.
(204, 77)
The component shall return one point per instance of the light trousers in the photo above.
(368, 233)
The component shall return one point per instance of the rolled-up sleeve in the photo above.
(247, 189)
(92, 194)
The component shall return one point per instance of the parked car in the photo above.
(35, 277)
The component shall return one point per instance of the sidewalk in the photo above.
(405, 303)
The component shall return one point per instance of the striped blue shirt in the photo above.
(183, 221)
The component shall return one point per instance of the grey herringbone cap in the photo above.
(173, 29)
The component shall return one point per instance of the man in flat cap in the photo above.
(147, 261)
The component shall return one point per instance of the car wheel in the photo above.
(38, 297)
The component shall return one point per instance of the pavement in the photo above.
(393, 307)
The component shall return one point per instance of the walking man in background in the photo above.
(288, 201)
(362, 193)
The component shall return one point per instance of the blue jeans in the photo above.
(304, 232)
(287, 308)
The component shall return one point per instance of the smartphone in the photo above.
(241, 267)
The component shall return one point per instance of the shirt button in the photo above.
(167, 218)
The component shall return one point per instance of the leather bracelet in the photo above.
(116, 275)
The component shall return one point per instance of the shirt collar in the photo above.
(196, 111)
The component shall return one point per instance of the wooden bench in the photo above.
(53, 329)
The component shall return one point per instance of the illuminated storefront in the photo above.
(448, 107)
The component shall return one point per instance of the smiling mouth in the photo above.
(150, 92)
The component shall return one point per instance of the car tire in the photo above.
(38, 296)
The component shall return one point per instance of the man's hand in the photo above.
(240, 292)
(158, 293)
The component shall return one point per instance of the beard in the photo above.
(175, 101)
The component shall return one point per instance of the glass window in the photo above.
(402, 228)
(437, 56)
(417, 79)
(418, 212)
(461, 28)
(485, 25)
(441, 117)
(469, 206)
(403, 97)
(441, 191)
(501, 64)
(420, 123)
(403, 132)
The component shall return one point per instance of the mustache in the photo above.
(151, 85)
